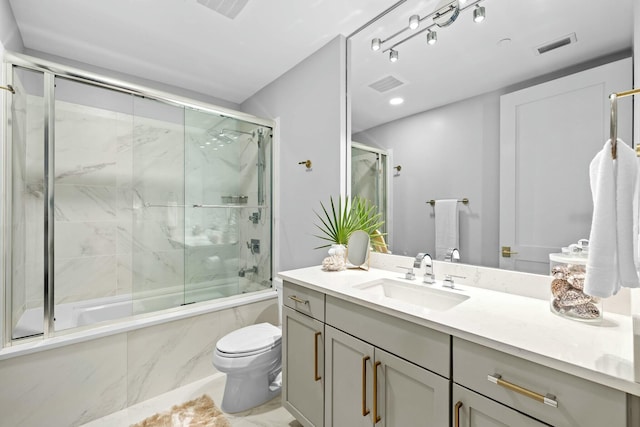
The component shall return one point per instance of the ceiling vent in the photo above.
(386, 84)
(562, 41)
(228, 8)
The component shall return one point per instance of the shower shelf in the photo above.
(151, 205)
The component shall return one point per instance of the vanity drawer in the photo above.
(418, 344)
(304, 300)
(580, 403)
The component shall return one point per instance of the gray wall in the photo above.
(309, 102)
(467, 135)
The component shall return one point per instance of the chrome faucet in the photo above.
(452, 255)
(428, 277)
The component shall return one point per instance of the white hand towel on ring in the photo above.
(611, 262)
(447, 226)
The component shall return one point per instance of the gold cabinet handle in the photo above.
(376, 417)
(365, 411)
(298, 300)
(316, 376)
(456, 414)
(506, 252)
(548, 399)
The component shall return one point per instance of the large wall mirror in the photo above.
(507, 112)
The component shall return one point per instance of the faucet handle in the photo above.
(409, 275)
(448, 280)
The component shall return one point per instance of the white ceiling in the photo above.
(185, 44)
(468, 61)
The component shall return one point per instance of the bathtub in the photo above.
(88, 312)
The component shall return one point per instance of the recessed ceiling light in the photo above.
(396, 101)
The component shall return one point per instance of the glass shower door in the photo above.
(227, 216)
(369, 178)
(158, 205)
(25, 269)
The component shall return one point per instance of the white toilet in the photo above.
(252, 359)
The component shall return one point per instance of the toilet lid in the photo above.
(250, 340)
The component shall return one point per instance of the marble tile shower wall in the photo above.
(158, 179)
(90, 176)
(210, 175)
(108, 164)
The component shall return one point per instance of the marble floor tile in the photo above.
(271, 414)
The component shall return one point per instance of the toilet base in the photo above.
(243, 392)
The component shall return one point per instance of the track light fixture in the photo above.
(478, 13)
(444, 15)
(432, 37)
(414, 22)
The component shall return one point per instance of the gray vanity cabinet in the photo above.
(303, 355)
(546, 394)
(474, 410)
(366, 385)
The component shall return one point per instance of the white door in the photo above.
(549, 134)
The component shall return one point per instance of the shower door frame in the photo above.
(50, 71)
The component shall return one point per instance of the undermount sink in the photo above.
(415, 294)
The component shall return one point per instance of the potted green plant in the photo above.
(344, 217)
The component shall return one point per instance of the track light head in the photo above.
(478, 14)
(432, 37)
(414, 21)
(375, 44)
(393, 55)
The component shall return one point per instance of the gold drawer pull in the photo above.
(316, 376)
(298, 300)
(365, 410)
(376, 417)
(456, 414)
(548, 399)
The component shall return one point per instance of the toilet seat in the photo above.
(249, 341)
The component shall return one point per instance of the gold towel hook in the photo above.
(9, 88)
(307, 163)
(613, 124)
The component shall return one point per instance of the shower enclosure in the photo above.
(119, 202)
(370, 180)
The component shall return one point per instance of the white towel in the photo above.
(446, 226)
(612, 255)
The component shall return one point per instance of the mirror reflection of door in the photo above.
(370, 181)
(549, 134)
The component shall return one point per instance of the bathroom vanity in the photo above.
(372, 348)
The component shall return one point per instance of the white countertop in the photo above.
(517, 325)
